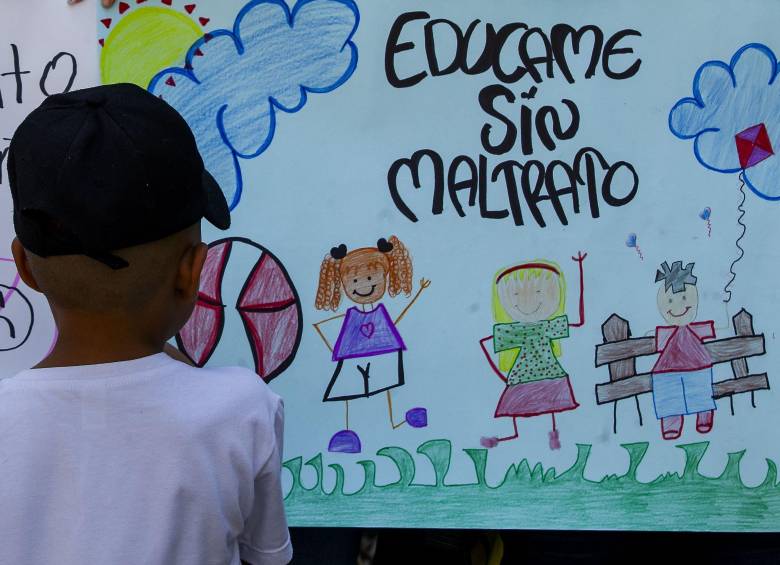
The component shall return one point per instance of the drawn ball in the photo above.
(248, 311)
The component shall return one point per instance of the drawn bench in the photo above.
(620, 351)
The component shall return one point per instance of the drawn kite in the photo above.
(733, 119)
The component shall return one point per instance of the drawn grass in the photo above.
(537, 498)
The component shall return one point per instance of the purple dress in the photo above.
(365, 334)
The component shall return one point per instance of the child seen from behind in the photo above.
(113, 451)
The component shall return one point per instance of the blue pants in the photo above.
(687, 392)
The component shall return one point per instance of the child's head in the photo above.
(365, 274)
(157, 291)
(528, 292)
(108, 190)
(678, 297)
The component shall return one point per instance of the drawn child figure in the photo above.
(529, 304)
(682, 375)
(365, 275)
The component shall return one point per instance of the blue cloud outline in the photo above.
(274, 104)
(698, 101)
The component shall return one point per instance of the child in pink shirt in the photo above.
(682, 375)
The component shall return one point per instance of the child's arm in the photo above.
(496, 370)
(705, 330)
(579, 259)
(424, 283)
(265, 538)
(319, 331)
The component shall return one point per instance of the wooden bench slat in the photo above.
(735, 348)
(625, 388)
(721, 350)
(620, 350)
(737, 386)
(641, 384)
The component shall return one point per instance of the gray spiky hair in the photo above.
(676, 276)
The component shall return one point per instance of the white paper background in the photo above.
(323, 182)
(40, 29)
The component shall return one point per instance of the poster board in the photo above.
(606, 157)
(47, 47)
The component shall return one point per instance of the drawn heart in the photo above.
(367, 329)
(631, 240)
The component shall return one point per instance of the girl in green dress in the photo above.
(529, 301)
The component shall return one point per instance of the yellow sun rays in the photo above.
(144, 42)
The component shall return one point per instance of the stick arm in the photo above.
(493, 366)
(579, 260)
(322, 335)
(424, 283)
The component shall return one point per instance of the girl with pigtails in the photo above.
(368, 332)
(529, 308)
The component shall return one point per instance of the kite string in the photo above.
(741, 209)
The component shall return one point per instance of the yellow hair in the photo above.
(506, 359)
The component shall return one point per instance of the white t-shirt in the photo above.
(146, 462)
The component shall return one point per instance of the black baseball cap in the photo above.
(105, 168)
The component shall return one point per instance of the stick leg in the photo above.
(514, 436)
(638, 410)
(614, 417)
(390, 412)
(493, 441)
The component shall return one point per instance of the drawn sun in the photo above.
(143, 39)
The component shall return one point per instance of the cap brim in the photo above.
(217, 211)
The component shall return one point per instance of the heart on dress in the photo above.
(367, 329)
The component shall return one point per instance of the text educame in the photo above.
(531, 189)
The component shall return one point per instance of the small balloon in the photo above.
(631, 240)
(705, 214)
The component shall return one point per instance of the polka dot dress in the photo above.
(535, 360)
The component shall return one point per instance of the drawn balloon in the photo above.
(266, 305)
(705, 215)
(632, 242)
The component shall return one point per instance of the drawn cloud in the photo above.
(234, 81)
(730, 98)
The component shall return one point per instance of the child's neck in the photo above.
(86, 339)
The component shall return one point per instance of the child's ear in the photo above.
(23, 264)
(190, 267)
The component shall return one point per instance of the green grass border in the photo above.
(532, 497)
